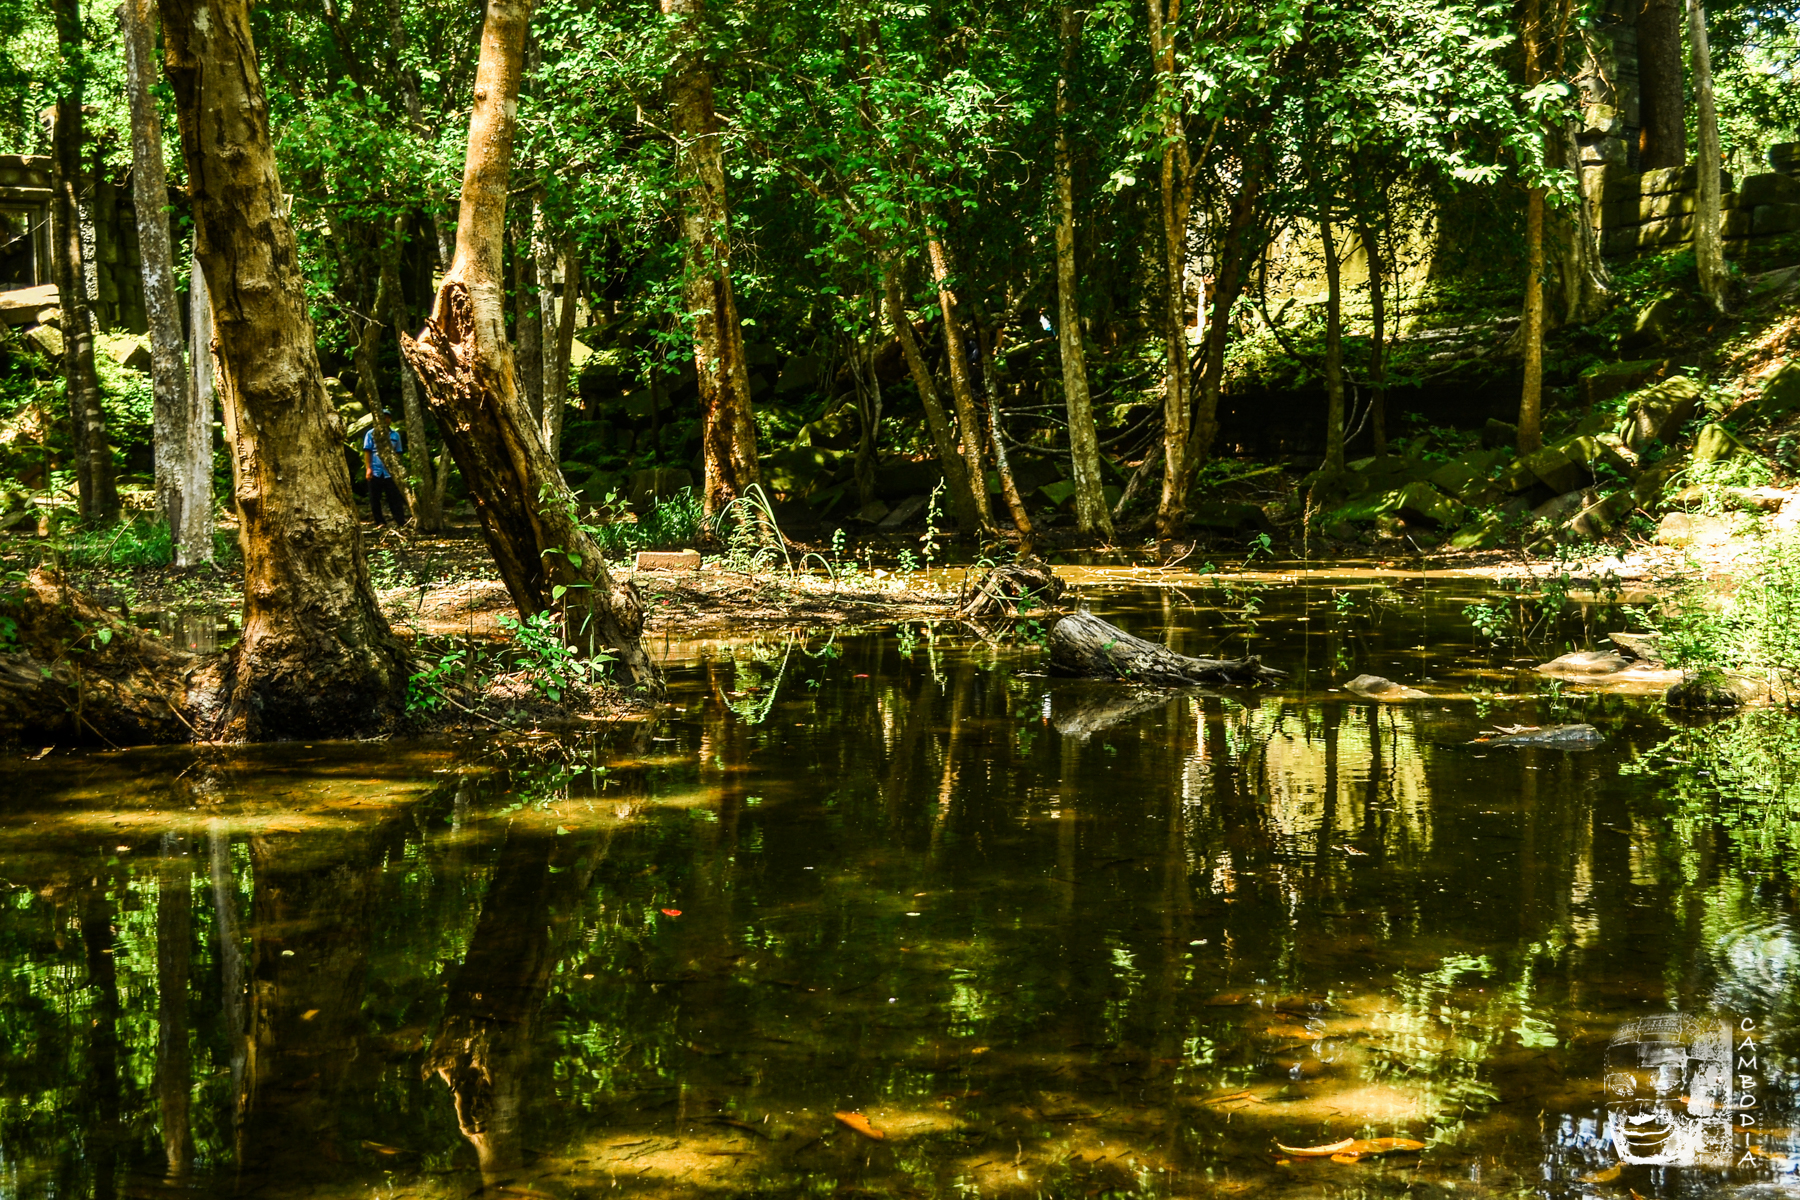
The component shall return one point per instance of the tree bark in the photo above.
(1236, 253)
(1334, 344)
(1709, 251)
(96, 489)
(989, 348)
(1377, 336)
(956, 471)
(527, 512)
(1662, 104)
(1083, 645)
(727, 425)
(962, 388)
(1177, 198)
(1091, 513)
(182, 433)
(368, 349)
(528, 318)
(557, 351)
(202, 362)
(428, 498)
(316, 657)
(1531, 328)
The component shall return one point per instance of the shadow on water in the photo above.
(1045, 937)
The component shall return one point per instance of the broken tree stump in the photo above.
(1083, 645)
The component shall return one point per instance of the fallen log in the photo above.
(70, 672)
(1083, 645)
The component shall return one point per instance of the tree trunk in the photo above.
(1583, 282)
(1662, 104)
(557, 351)
(1377, 337)
(182, 434)
(1177, 196)
(1091, 514)
(989, 348)
(1709, 251)
(962, 388)
(428, 499)
(1083, 645)
(956, 471)
(727, 426)
(1236, 253)
(97, 492)
(528, 514)
(528, 320)
(1334, 345)
(202, 360)
(316, 657)
(368, 349)
(1531, 396)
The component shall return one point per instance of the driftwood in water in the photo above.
(1082, 644)
(72, 672)
(1012, 590)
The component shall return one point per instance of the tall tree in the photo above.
(527, 512)
(937, 420)
(1531, 327)
(727, 426)
(1709, 250)
(1177, 181)
(1662, 104)
(962, 385)
(316, 656)
(182, 440)
(1091, 513)
(96, 489)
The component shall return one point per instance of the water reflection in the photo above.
(1045, 940)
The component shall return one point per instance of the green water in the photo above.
(900, 873)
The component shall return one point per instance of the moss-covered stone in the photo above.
(1657, 413)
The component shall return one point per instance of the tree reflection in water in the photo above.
(1047, 944)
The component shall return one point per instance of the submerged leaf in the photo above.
(860, 1123)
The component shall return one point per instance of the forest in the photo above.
(900, 598)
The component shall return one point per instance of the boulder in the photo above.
(1585, 663)
(46, 340)
(1421, 501)
(1715, 444)
(1681, 530)
(129, 350)
(1374, 687)
(1658, 413)
(1607, 381)
(1662, 318)
(1702, 692)
(1780, 394)
(1643, 647)
(1560, 508)
(1497, 435)
(1595, 520)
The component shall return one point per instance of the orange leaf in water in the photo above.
(860, 1123)
(1353, 1149)
(671, 912)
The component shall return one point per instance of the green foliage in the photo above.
(551, 663)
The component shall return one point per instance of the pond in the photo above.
(891, 913)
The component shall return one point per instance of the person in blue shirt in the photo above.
(381, 484)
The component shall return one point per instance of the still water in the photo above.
(1045, 938)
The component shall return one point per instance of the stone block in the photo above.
(1669, 204)
(1559, 508)
(1677, 179)
(1715, 444)
(1780, 394)
(1557, 469)
(1658, 320)
(1419, 499)
(1735, 223)
(657, 483)
(668, 560)
(46, 340)
(1769, 189)
(1656, 414)
(1668, 231)
(1600, 121)
(1606, 381)
(1617, 242)
(1784, 157)
(1768, 219)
